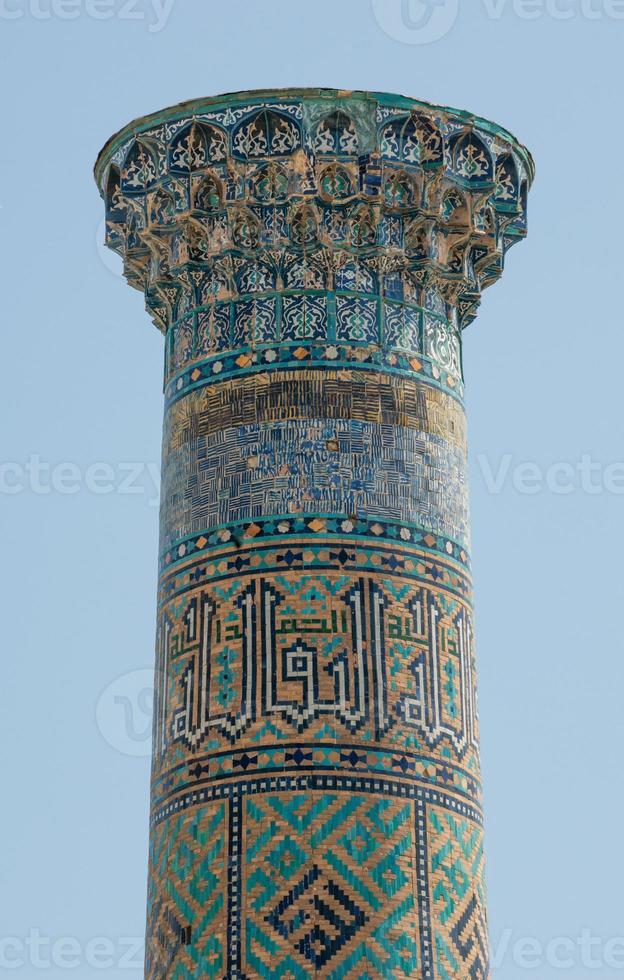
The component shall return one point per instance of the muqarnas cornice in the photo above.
(205, 203)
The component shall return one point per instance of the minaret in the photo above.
(312, 258)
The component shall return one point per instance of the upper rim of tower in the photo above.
(193, 106)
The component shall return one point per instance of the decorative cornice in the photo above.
(194, 107)
(312, 190)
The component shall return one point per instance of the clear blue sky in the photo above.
(81, 381)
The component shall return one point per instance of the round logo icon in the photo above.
(124, 713)
(110, 259)
(416, 21)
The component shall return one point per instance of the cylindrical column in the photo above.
(312, 257)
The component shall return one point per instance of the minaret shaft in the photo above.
(312, 257)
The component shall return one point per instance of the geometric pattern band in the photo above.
(340, 883)
(360, 445)
(333, 359)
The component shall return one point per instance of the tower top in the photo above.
(416, 190)
(195, 107)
